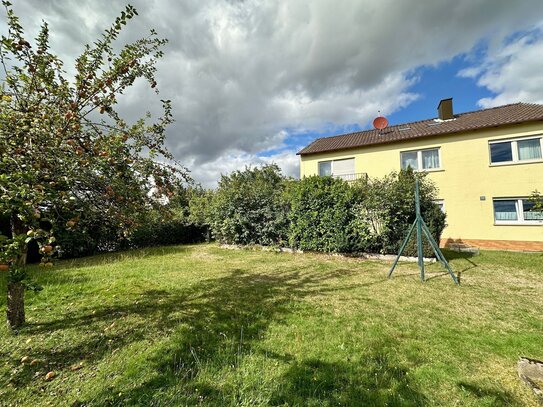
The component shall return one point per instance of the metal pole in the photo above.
(402, 248)
(439, 253)
(422, 228)
(419, 230)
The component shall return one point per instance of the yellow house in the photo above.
(485, 163)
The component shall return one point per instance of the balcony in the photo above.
(351, 177)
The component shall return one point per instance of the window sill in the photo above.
(431, 170)
(515, 163)
(517, 223)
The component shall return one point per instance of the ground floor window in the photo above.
(516, 211)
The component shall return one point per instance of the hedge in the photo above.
(260, 206)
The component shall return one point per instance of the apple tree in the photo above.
(66, 153)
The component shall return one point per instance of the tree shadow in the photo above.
(373, 381)
(493, 396)
(202, 323)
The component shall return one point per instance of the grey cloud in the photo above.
(239, 72)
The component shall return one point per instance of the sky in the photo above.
(254, 81)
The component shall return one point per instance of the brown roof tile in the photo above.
(480, 119)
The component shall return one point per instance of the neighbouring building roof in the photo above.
(480, 119)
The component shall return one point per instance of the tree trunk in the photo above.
(16, 305)
(16, 290)
(18, 228)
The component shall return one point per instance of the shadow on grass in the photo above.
(453, 254)
(374, 381)
(202, 324)
(493, 396)
(211, 326)
(466, 256)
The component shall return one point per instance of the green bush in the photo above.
(388, 210)
(94, 234)
(199, 209)
(169, 225)
(173, 225)
(321, 214)
(259, 206)
(88, 240)
(247, 208)
(167, 232)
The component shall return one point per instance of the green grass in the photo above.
(200, 325)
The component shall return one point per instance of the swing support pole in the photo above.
(422, 229)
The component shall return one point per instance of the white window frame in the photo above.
(332, 165)
(419, 159)
(514, 150)
(322, 162)
(519, 206)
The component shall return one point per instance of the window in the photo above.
(501, 152)
(325, 168)
(529, 149)
(409, 159)
(421, 159)
(338, 168)
(516, 211)
(506, 210)
(514, 151)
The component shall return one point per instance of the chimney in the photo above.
(445, 109)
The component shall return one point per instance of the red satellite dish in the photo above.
(380, 122)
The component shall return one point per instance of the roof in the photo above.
(480, 119)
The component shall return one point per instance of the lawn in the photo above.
(201, 325)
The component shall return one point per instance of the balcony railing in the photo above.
(351, 177)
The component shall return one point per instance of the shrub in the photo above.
(168, 225)
(247, 208)
(173, 225)
(259, 206)
(388, 210)
(199, 209)
(95, 233)
(322, 214)
(537, 199)
(167, 232)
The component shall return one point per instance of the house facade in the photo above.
(486, 165)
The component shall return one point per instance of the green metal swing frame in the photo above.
(422, 229)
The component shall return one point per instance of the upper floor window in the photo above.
(325, 168)
(338, 168)
(421, 159)
(509, 211)
(514, 151)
